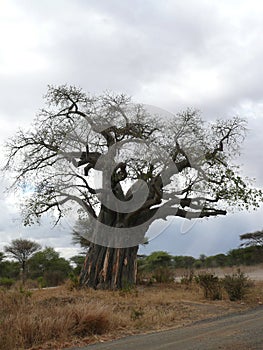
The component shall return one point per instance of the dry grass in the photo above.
(57, 318)
(26, 322)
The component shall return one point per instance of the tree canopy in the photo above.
(49, 265)
(252, 239)
(145, 168)
(21, 250)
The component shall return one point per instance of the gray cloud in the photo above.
(11, 227)
(172, 54)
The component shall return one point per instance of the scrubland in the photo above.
(63, 317)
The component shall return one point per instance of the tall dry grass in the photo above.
(57, 318)
(25, 322)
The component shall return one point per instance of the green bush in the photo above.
(41, 282)
(236, 285)
(211, 285)
(6, 282)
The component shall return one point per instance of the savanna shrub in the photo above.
(163, 274)
(188, 277)
(236, 285)
(211, 285)
(6, 282)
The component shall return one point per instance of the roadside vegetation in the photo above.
(65, 316)
(43, 268)
(46, 268)
(171, 291)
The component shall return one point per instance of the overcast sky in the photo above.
(171, 54)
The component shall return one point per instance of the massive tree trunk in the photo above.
(109, 268)
(114, 266)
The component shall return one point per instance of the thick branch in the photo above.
(164, 212)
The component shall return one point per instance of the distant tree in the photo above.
(182, 261)
(21, 250)
(159, 259)
(252, 239)
(201, 261)
(78, 261)
(250, 255)
(202, 258)
(49, 265)
(8, 269)
(218, 260)
(150, 168)
(160, 264)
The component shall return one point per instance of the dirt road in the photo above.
(242, 331)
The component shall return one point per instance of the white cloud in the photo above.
(19, 36)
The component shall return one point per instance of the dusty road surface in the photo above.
(242, 331)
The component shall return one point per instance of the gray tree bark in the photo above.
(109, 268)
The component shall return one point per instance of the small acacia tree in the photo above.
(21, 250)
(252, 239)
(145, 168)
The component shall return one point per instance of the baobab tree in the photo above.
(124, 168)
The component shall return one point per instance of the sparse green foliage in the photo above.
(186, 262)
(25, 292)
(236, 285)
(77, 261)
(73, 281)
(245, 256)
(188, 277)
(159, 265)
(252, 239)
(211, 285)
(49, 265)
(8, 269)
(218, 260)
(127, 289)
(6, 282)
(21, 250)
(41, 282)
(158, 259)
